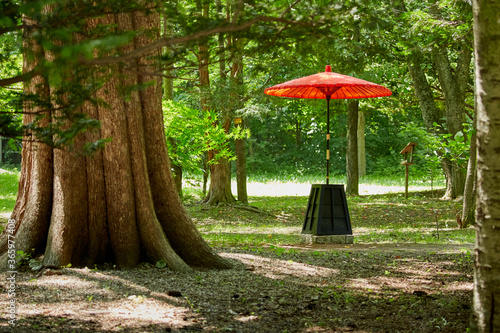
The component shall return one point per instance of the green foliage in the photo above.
(191, 133)
(362, 38)
(289, 141)
(9, 180)
(454, 147)
(184, 130)
(63, 33)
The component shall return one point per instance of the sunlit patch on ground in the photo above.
(279, 269)
(278, 189)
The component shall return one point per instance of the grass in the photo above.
(383, 218)
(378, 218)
(9, 179)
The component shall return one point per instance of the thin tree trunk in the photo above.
(34, 205)
(352, 186)
(469, 206)
(430, 113)
(241, 168)
(206, 173)
(361, 145)
(176, 170)
(237, 97)
(220, 182)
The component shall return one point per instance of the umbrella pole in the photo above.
(327, 140)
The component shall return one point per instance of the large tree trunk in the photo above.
(352, 186)
(486, 307)
(430, 113)
(454, 104)
(219, 190)
(119, 205)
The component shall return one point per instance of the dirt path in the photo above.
(327, 288)
(388, 248)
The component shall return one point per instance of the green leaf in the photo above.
(35, 264)
(161, 264)
(459, 136)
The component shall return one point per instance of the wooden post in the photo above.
(406, 183)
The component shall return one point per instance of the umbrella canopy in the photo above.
(328, 85)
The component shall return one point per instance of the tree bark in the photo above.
(237, 97)
(219, 190)
(352, 186)
(469, 206)
(34, 204)
(431, 114)
(361, 145)
(220, 171)
(486, 303)
(454, 105)
(119, 205)
(241, 168)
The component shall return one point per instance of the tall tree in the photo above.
(352, 185)
(220, 168)
(168, 94)
(236, 86)
(119, 205)
(486, 307)
(453, 83)
(361, 145)
(435, 55)
(469, 207)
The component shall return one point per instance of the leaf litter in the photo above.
(274, 287)
(328, 288)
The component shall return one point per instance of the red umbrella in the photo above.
(328, 85)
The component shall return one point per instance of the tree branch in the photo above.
(152, 47)
(18, 78)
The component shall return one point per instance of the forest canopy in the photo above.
(276, 41)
